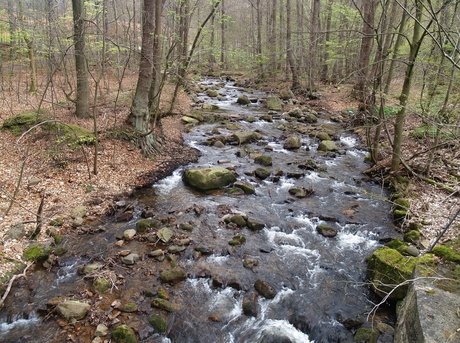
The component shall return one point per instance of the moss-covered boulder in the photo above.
(412, 236)
(243, 100)
(265, 289)
(173, 275)
(237, 240)
(71, 134)
(245, 186)
(37, 252)
(124, 334)
(158, 323)
(292, 143)
(388, 269)
(102, 284)
(447, 253)
(208, 178)
(237, 219)
(163, 304)
(262, 173)
(327, 146)
(264, 160)
(326, 230)
(20, 123)
(243, 137)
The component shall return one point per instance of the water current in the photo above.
(319, 280)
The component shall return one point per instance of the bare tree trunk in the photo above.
(81, 68)
(155, 89)
(140, 106)
(222, 44)
(314, 35)
(289, 56)
(30, 49)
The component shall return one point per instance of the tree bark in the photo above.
(289, 55)
(82, 99)
(140, 106)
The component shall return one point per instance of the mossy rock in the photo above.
(20, 123)
(144, 225)
(73, 135)
(237, 219)
(447, 253)
(237, 240)
(367, 335)
(173, 275)
(58, 221)
(102, 284)
(387, 268)
(124, 334)
(186, 227)
(163, 304)
(158, 323)
(37, 252)
(128, 307)
(412, 236)
(399, 215)
(398, 245)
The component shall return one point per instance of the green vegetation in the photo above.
(20, 123)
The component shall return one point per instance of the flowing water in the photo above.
(319, 280)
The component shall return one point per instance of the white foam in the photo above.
(167, 184)
(20, 323)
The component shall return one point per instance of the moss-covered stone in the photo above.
(163, 304)
(158, 323)
(208, 178)
(402, 204)
(398, 245)
(58, 221)
(447, 253)
(388, 270)
(71, 134)
(124, 334)
(237, 240)
(129, 307)
(173, 275)
(163, 294)
(412, 236)
(367, 335)
(186, 227)
(102, 284)
(37, 252)
(144, 225)
(264, 160)
(20, 123)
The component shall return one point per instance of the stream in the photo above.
(319, 281)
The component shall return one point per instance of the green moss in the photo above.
(124, 334)
(57, 239)
(128, 307)
(398, 245)
(59, 251)
(412, 236)
(237, 240)
(447, 253)
(402, 204)
(367, 335)
(144, 225)
(20, 123)
(158, 323)
(102, 284)
(18, 267)
(37, 252)
(163, 294)
(163, 304)
(73, 135)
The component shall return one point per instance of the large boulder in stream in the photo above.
(292, 143)
(243, 137)
(265, 289)
(274, 103)
(327, 146)
(124, 334)
(208, 178)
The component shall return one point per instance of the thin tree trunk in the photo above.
(82, 100)
(289, 56)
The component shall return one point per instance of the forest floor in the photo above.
(66, 179)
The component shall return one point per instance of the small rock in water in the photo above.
(101, 330)
(129, 234)
(130, 259)
(265, 289)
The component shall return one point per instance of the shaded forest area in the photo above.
(119, 68)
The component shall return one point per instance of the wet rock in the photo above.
(245, 186)
(295, 113)
(237, 240)
(250, 262)
(286, 94)
(17, 231)
(244, 137)
(37, 252)
(217, 281)
(310, 117)
(158, 323)
(250, 304)
(89, 268)
(101, 330)
(301, 323)
(163, 293)
(173, 275)
(251, 119)
(129, 234)
(235, 284)
(124, 334)
(327, 146)
(235, 191)
(212, 93)
(254, 224)
(78, 212)
(264, 160)
(275, 338)
(262, 173)
(352, 323)
(237, 219)
(301, 192)
(208, 178)
(163, 304)
(144, 225)
(326, 230)
(73, 309)
(367, 335)
(130, 259)
(175, 249)
(189, 120)
(292, 143)
(204, 250)
(323, 136)
(266, 117)
(186, 227)
(243, 100)
(265, 289)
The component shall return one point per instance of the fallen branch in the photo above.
(10, 284)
